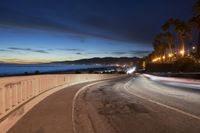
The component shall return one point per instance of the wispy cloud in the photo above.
(3, 50)
(15, 48)
(71, 49)
(119, 53)
(79, 53)
(139, 53)
(28, 49)
(40, 51)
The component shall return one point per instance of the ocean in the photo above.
(15, 69)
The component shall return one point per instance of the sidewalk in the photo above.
(52, 115)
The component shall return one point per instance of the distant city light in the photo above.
(193, 47)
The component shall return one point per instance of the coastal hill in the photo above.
(104, 61)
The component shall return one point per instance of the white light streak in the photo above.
(131, 70)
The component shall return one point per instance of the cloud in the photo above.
(70, 49)
(79, 53)
(3, 50)
(15, 48)
(40, 51)
(28, 49)
(140, 53)
(119, 53)
(129, 21)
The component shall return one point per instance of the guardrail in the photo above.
(16, 91)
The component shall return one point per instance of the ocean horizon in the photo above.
(15, 69)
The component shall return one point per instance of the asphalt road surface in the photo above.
(132, 104)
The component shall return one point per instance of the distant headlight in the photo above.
(131, 70)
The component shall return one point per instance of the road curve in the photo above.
(52, 115)
(137, 104)
(125, 105)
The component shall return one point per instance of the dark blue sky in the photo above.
(47, 30)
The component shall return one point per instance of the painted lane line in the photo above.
(75, 98)
(163, 105)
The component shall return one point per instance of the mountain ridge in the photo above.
(103, 61)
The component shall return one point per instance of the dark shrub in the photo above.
(37, 72)
(78, 72)
(185, 65)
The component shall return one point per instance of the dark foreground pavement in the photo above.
(127, 105)
(52, 115)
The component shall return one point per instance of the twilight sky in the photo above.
(54, 30)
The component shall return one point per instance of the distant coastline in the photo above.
(35, 69)
(91, 65)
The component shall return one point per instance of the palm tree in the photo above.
(182, 29)
(151, 56)
(195, 22)
(160, 46)
(196, 8)
(169, 40)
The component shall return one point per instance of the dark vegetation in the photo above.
(175, 48)
(179, 66)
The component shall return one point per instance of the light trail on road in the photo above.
(164, 105)
(137, 104)
(177, 82)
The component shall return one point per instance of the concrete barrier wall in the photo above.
(27, 91)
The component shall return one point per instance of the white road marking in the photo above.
(163, 105)
(74, 101)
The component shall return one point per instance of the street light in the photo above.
(182, 52)
(170, 55)
(156, 59)
(163, 57)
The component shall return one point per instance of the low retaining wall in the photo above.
(19, 94)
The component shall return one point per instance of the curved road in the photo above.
(132, 104)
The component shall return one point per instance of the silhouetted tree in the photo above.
(169, 39)
(196, 8)
(181, 28)
(159, 46)
(195, 23)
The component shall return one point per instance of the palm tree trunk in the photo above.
(198, 46)
(170, 52)
(170, 48)
(182, 47)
